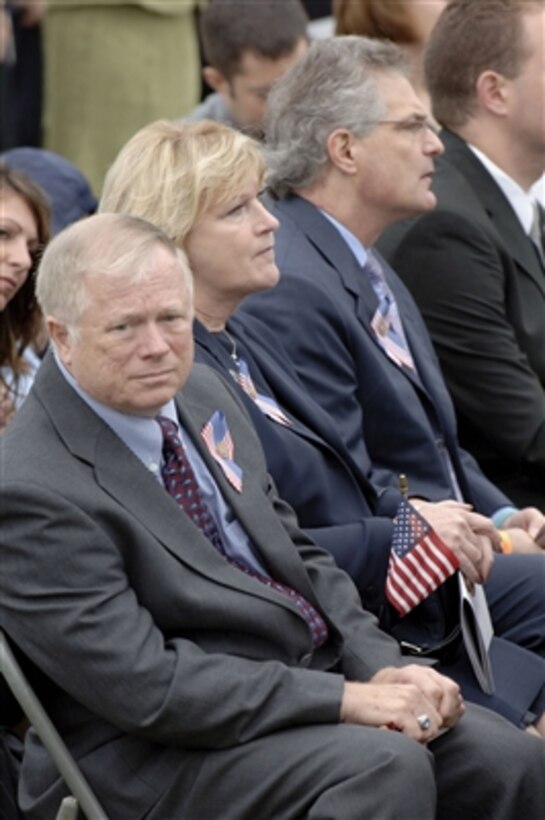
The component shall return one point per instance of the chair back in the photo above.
(81, 793)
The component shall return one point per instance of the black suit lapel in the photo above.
(496, 207)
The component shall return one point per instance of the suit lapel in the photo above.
(285, 384)
(279, 384)
(496, 206)
(332, 247)
(251, 507)
(124, 478)
(334, 250)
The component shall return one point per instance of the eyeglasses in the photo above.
(418, 127)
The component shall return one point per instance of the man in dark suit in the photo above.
(471, 263)
(339, 508)
(204, 657)
(348, 158)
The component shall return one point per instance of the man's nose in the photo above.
(152, 341)
(433, 144)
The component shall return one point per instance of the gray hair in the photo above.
(101, 245)
(332, 86)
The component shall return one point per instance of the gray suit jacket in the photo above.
(149, 640)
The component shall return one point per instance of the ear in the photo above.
(340, 149)
(216, 80)
(62, 339)
(492, 92)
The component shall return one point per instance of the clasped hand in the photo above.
(395, 698)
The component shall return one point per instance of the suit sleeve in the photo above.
(457, 276)
(70, 604)
(80, 596)
(321, 355)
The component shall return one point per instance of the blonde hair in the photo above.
(170, 173)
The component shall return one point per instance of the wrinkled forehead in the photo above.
(161, 280)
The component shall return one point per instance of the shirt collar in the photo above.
(352, 241)
(521, 201)
(140, 434)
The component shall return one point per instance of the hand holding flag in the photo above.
(420, 561)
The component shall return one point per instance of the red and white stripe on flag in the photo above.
(420, 561)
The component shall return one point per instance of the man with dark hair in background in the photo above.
(247, 46)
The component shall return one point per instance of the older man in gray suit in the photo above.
(205, 658)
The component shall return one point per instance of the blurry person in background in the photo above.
(24, 231)
(110, 67)
(405, 22)
(247, 47)
(67, 189)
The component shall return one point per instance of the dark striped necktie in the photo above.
(181, 483)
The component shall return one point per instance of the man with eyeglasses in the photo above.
(476, 263)
(350, 152)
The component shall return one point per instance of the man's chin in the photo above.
(426, 202)
(150, 399)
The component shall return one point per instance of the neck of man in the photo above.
(504, 149)
(340, 202)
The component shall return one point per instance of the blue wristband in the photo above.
(501, 516)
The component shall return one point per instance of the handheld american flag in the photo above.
(420, 561)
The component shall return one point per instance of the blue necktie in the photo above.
(386, 322)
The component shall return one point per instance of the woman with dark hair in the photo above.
(24, 231)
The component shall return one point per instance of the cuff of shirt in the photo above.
(501, 515)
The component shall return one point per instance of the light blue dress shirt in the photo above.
(144, 439)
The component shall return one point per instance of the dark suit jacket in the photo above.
(322, 309)
(481, 288)
(153, 642)
(315, 473)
